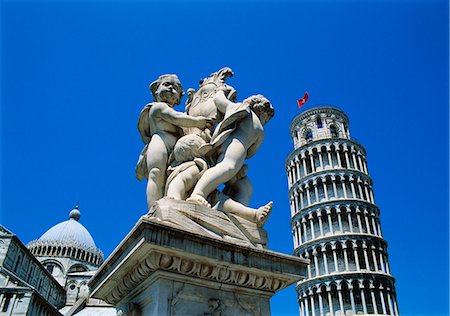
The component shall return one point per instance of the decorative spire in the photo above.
(75, 213)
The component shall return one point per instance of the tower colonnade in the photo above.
(334, 220)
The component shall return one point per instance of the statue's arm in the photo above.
(221, 101)
(182, 119)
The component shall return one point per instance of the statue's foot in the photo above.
(262, 214)
(197, 199)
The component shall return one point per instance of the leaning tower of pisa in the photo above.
(335, 221)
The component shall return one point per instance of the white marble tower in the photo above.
(335, 221)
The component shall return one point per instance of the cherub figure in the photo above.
(160, 127)
(187, 169)
(236, 138)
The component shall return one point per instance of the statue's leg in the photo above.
(230, 162)
(157, 157)
(183, 183)
(241, 190)
(258, 216)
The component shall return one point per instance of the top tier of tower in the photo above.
(319, 123)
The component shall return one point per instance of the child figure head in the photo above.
(261, 106)
(167, 88)
(186, 148)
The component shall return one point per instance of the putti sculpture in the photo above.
(200, 249)
(187, 156)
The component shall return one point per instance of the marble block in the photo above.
(165, 268)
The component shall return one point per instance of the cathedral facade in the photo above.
(49, 276)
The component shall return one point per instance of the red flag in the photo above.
(303, 100)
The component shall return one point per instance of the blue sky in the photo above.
(75, 75)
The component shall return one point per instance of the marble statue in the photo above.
(236, 138)
(160, 127)
(186, 159)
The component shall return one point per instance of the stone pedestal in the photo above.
(162, 268)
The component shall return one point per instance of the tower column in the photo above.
(325, 191)
(313, 311)
(330, 223)
(344, 249)
(363, 298)
(341, 301)
(360, 162)
(319, 216)
(372, 200)
(309, 265)
(349, 215)
(305, 170)
(299, 227)
(333, 180)
(352, 299)
(333, 250)
(344, 187)
(360, 189)
(319, 291)
(366, 219)
(354, 159)
(295, 202)
(367, 192)
(391, 308)
(358, 217)
(330, 300)
(311, 225)
(297, 168)
(330, 161)
(306, 304)
(301, 197)
(320, 159)
(325, 261)
(338, 212)
(366, 258)
(352, 185)
(311, 158)
(304, 229)
(374, 257)
(308, 195)
(346, 154)
(374, 226)
(338, 156)
(383, 304)
(316, 191)
(355, 254)
(288, 171)
(374, 302)
(316, 262)
(302, 307)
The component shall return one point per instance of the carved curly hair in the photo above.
(155, 84)
(260, 104)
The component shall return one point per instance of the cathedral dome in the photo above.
(68, 239)
(70, 231)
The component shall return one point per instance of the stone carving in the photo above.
(215, 307)
(160, 127)
(191, 266)
(186, 158)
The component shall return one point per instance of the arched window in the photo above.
(319, 122)
(77, 268)
(308, 135)
(334, 131)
